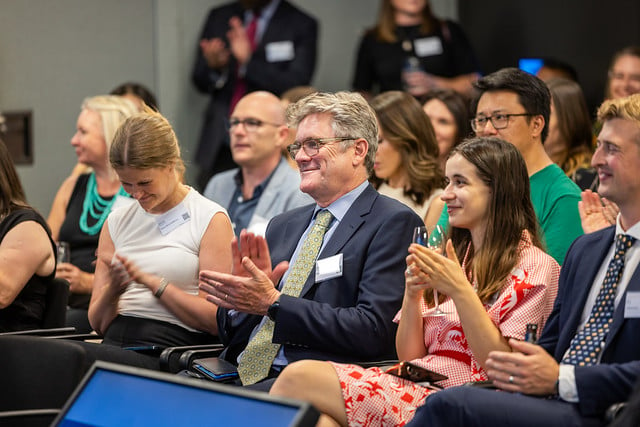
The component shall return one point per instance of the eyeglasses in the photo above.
(311, 146)
(250, 124)
(498, 121)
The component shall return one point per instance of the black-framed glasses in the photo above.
(498, 121)
(250, 124)
(311, 146)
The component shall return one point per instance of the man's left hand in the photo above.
(529, 369)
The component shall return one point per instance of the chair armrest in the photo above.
(28, 417)
(43, 332)
(169, 358)
(188, 357)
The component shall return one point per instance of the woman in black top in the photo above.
(27, 254)
(433, 53)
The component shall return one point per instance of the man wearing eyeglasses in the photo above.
(264, 185)
(514, 105)
(337, 301)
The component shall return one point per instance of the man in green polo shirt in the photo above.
(514, 105)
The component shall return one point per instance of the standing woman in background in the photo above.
(83, 202)
(27, 254)
(406, 166)
(433, 53)
(570, 139)
(449, 115)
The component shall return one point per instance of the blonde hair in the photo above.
(113, 110)
(146, 141)
(623, 108)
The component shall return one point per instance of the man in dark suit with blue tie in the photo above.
(342, 304)
(588, 356)
(245, 46)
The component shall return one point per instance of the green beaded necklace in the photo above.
(96, 206)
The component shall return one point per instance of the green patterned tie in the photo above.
(261, 351)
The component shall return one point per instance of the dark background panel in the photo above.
(584, 33)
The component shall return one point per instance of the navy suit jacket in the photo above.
(288, 24)
(347, 318)
(611, 380)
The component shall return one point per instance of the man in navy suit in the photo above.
(345, 309)
(544, 387)
(247, 45)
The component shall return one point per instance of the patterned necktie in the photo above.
(588, 342)
(261, 351)
(240, 88)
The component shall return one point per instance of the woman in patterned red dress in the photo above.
(505, 280)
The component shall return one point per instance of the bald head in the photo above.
(259, 132)
(264, 103)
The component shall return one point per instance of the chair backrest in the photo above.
(39, 373)
(55, 309)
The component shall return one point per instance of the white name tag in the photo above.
(328, 268)
(427, 46)
(632, 305)
(173, 219)
(279, 51)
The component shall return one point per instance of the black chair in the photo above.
(55, 309)
(55, 312)
(38, 376)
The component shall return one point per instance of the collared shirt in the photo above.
(567, 388)
(241, 210)
(338, 209)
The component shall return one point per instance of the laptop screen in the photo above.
(116, 395)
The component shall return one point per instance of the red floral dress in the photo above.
(373, 398)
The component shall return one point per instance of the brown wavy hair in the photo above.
(574, 124)
(501, 167)
(12, 195)
(408, 129)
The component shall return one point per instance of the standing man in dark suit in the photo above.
(576, 372)
(345, 302)
(248, 45)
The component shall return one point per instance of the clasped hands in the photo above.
(427, 269)
(217, 54)
(251, 286)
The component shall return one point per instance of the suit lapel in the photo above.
(351, 222)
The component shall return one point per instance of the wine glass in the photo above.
(436, 242)
(63, 252)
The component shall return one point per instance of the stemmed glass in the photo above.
(436, 242)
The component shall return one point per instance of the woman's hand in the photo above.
(80, 282)
(442, 273)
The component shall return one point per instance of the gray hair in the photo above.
(351, 116)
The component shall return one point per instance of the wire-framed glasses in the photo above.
(311, 146)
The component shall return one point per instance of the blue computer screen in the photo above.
(117, 399)
(530, 65)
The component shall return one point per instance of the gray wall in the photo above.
(54, 53)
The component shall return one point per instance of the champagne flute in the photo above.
(63, 252)
(437, 242)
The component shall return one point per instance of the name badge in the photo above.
(632, 305)
(279, 51)
(427, 46)
(328, 268)
(173, 219)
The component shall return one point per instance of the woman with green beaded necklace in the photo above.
(83, 202)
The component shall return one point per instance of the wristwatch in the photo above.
(272, 311)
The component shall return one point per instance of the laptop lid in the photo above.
(119, 395)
